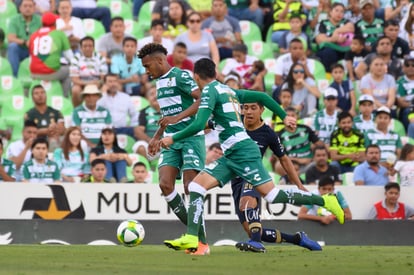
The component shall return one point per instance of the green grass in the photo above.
(151, 259)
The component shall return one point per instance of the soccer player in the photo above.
(241, 154)
(247, 200)
(179, 98)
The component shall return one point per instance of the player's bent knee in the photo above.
(270, 197)
(166, 187)
(247, 202)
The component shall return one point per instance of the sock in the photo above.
(295, 197)
(195, 209)
(202, 232)
(255, 227)
(275, 236)
(176, 203)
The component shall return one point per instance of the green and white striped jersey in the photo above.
(174, 96)
(35, 172)
(388, 143)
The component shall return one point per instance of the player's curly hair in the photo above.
(150, 49)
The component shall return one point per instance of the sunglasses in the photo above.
(298, 71)
(194, 21)
(408, 64)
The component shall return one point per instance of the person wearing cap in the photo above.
(405, 90)
(388, 141)
(369, 26)
(46, 47)
(90, 117)
(326, 119)
(365, 120)
(20, 28)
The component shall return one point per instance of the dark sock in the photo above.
(275, 236)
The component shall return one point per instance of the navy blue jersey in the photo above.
(265, 138)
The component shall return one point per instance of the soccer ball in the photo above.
(130, 233)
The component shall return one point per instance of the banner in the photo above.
(25, 201)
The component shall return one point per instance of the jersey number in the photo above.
(42, 45)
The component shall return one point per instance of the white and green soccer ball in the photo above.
(130, 233)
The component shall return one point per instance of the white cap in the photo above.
(330, 93)
(384, 109)
(366, 98)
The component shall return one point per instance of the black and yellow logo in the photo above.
(55, 208)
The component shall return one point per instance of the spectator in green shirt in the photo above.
(7, 167)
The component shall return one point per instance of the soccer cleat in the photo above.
(186, 241)
(332, 205)
(308, 243)
(251, 246)
(202, 250)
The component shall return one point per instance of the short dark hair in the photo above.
(343, 115)
(29, 123)
(110, 74)
(87, 38)
(336, 66)
(240, 47)
(320, 147)
(157, 22)
(117, 18)
(37, 86)
(180, 45)
(406, 149)
(372, 146)
(295, 15)
(139, 163)
(391, 185)
(2, 35)
(291, 109)
(391, 22)
(326, 180)
(382, 38)
(129, 38)
(215, 145)
(40, 140)
(286, 89)
(295, 40)
(97, 161)
(360, 39)
(150, 49)
(205, 68)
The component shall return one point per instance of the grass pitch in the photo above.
(151, 259)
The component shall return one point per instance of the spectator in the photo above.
(110, 44)
(98, 172)
(295, 31)
(39, 169)
(369, 27)
(379, 84)
(317, 13)
(326, 120)
(240, 63)
(405, 165)
(72, 26)
(390, 208)
(353, 13)
(283, 10)
(370, 172)
(388, 141)
(156, 32)
(233, 81)
(176, 22)
(87, 67)
(305, 92)
(345, 89)
(400, 47)
(129, 68)
(317, 213)
(90, 117)
(395, 9)
(383, 50)
(43, 6)
(332, 34)
(285, 99)
(246, 10)
(347, 145)
(20, 151)
(2, 44)
(162, 7)
(410, 131)
(365, 120)
(179, 59)
(254, 77)
(89, 9)
(224, 28)
(49, 121)
(21, 27)
(7, 167)
(321, 167)
(298, 143)
(406, 28)
(5, 134)
(355, 55)
(200, 43)
(296, 54)
(120, 107)
(140, 173)
(46, 47)
(116, 158)
(71, 158)
(214, 152)
(405, 90)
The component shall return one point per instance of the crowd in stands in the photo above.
(343, 68)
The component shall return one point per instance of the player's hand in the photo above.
(166, 142)
(153, 147)
(290, 122)
(303, 188)
(167, 120)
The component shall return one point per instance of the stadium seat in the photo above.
(9, 86)
(125, 142)
(267, 116)
(61, 103)
(275, 46)
(7, 9)
(12, 113)
(117, 8)
(250, 31)
(133, 28)
(406, 139)
(5, 67)
(24, 74)
(348, 179)
(144, 15)
(269, 79)
(139, 102)
(222, 64)
(397, 127)
(51, 87)
(259, 49)
(320, 72)
(93, 28)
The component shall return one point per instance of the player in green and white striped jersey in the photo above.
(241, 154)
(179, 98)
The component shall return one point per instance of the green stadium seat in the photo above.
(5, 67)
(12, 113)
(139, 102)
(275, 46)
(9, 86)
(125, 142)
(348, 179)
(133, 28)
(222, 64)
(144, 15)
(397, 127)
(93, 28)
(117, 8)
(24, 74)
(51, 87)
(269, 79)
(320, 72)
(61, 103)
(406, 139)
(250, 31)
(7, 9)
(259, 49)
